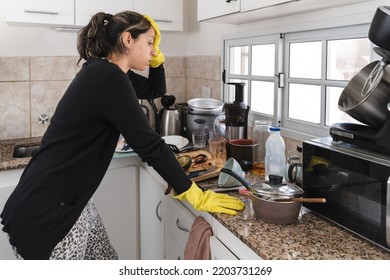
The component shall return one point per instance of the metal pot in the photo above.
(274, 202)
(205, 106)
(366, 96)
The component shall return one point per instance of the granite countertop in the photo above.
(7, 161)
(310, 238)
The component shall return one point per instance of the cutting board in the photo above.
(202, 166)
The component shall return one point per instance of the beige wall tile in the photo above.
(14, 110)
(14, 69)
(204, 67)
(52, 68)
(177, 87)
(194, 88)
(44, 99)
(175, 67)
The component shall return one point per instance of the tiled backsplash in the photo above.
(31, 86)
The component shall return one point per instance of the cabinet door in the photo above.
(85, 9)
(168, 14)
(173, 249)
(248, 5)
(210, 9)
(57, 12)
(151, 215)
(178, 221)
(117, 203)
(8, 182)
(219, 251)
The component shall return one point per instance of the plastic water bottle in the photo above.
(275, 158)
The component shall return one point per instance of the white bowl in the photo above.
(227, 181)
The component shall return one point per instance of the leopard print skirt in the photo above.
(87, 239)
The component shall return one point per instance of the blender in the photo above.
(236, 115)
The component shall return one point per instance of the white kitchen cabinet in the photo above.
(8, 181)
(220, 251)
(164, 222)
(172, 224)
(210, 9)
(117, 202)
(56, 12)
(248, 5)
(168, 14)
(84, 9)
(178, 221)
(244, 11)
(151, 216)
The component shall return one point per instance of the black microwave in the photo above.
(355, 183)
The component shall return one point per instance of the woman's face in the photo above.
(141, 51)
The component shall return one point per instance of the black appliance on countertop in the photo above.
(366, 97)
(351, 169)
(355, 183)
(236, 115)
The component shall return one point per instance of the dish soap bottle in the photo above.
(275, 157)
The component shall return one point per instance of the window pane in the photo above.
(305, 60)
(347, 57)
(238, 60)
(333, 113)
(263, 60)
(305, 102)
(262, 98)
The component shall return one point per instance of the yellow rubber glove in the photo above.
(210, 201)
(159, 57)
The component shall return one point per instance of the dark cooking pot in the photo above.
(274, 202)
(366, 95)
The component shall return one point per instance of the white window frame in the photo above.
(323, 35)
(291, 128)
(250, 41)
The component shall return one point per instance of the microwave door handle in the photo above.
(388, 213)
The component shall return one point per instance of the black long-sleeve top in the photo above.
(76, 150)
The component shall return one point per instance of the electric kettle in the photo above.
(170, 118)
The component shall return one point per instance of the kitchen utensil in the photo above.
(200, 173)
(217, 147)
(240, 149)
(379, 32)
(265, 198)
(169, 124)
(368, 107)
(206, 106)
(227, 181)
(176, 140)
(199, 139)
(236, 114)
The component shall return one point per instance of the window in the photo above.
(317, 65)
(253, 61)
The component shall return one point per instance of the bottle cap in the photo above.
(273, 128)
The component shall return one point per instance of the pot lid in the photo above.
(276, 189)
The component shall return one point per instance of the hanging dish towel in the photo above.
(198, 243)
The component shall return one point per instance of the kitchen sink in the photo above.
(21, 151)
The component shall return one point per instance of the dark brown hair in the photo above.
(102, 35)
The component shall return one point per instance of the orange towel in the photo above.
(198, 243)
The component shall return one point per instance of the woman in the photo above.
(50, 214)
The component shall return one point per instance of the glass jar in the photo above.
(260, 134)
